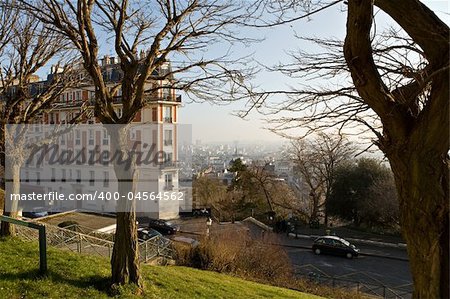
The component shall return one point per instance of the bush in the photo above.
(237, 254)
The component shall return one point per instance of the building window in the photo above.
(91, 178)
(167, 137)
(166, 93)
(155, 114)
(105, 138)
(154, 137)
(169, 158)
(168, 182)
(91, 137)
(79, 154)
(168, 114)
(104, 158)
(105, 179)
(77, 137)
(78, 176)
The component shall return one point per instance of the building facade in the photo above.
(153, 132)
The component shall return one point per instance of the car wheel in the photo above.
(349, 255)
(317, 251)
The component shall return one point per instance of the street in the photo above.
(382, 269)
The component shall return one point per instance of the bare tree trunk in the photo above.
(125, 257)
(11, 210)
(425, 229)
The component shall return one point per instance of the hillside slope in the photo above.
(80, 276)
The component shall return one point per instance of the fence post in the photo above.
(145, 252)
(384, 292)
(42, 250)
(157, 246)
(80, 240)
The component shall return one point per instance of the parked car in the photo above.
(334, 245)
(147, 234)
(163, 226)
(37, 212)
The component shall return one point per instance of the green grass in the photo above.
(81, 276)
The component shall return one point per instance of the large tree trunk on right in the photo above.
(415, 132)
(424, 208)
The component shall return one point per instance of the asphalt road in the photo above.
(376, 266)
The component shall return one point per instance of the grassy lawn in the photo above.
(81, 276)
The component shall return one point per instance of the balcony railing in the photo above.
(169, 165)
(116, 100)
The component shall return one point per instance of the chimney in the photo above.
(105, 60)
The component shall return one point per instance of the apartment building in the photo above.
(154, 132)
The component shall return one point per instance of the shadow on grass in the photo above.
(98, 282)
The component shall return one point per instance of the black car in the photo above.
(37, 212)
(334, 245)
(162, 226)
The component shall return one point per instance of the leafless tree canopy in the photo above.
(25, 48)
(144, 36)
(316, 161)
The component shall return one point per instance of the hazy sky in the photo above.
(216, 123)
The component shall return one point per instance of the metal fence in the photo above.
(72, 239)
(378, 290)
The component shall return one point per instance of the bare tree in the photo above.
(316, 162)
(25, 47)
(144, 35)
(400, 92)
